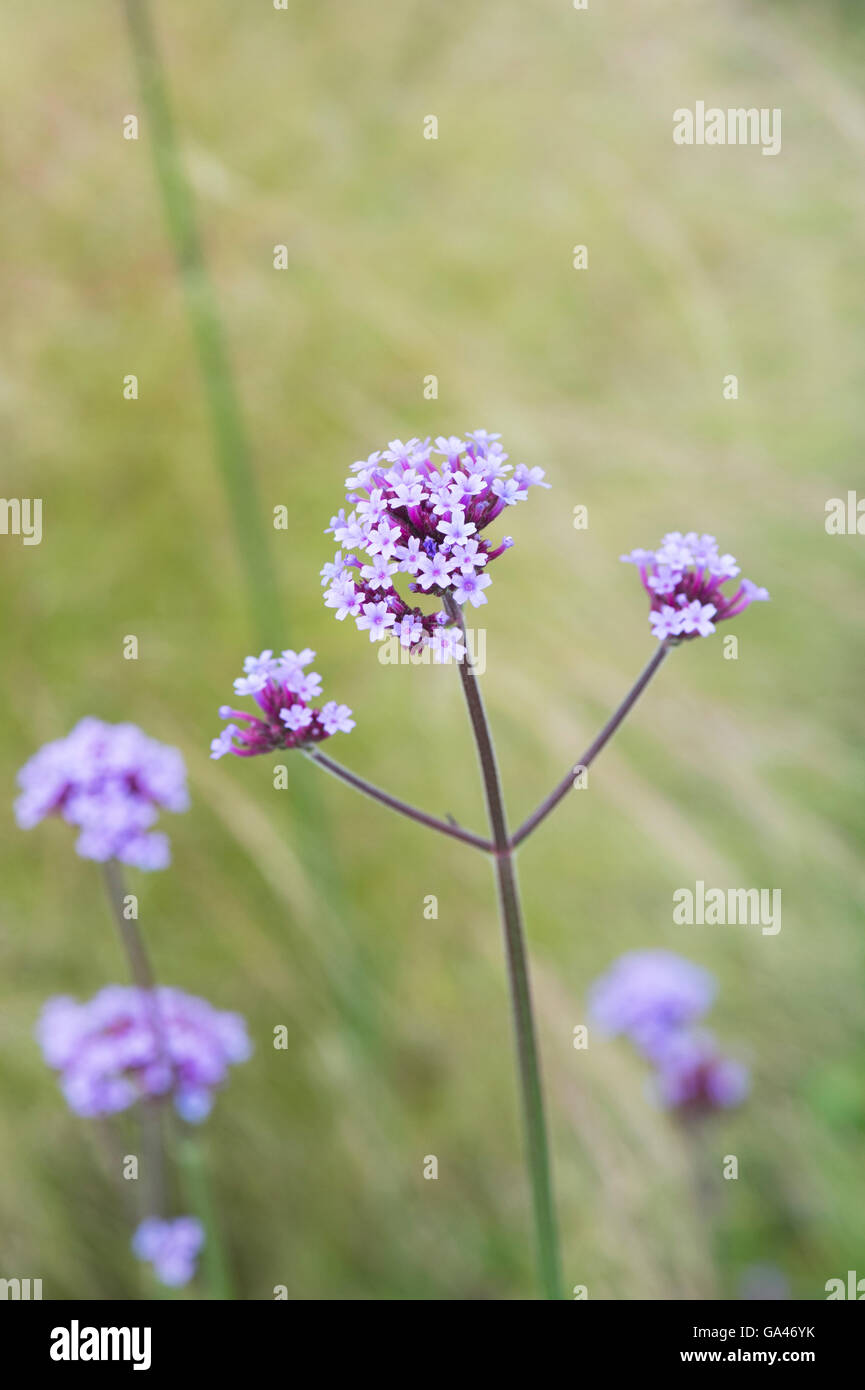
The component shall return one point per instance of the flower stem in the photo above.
(198, 1195)
(130, 937)
(150, 1108)
(560, 792)
(403, 807)
(518, 976)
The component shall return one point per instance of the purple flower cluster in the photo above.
(683, 579)
(281, 689)
(420, 511)
(126, 1044)
(110, 781)
(170, 1246)
(654, 998)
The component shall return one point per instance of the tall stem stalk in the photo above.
(518, 976)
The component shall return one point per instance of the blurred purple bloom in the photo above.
(125, 1044)
(646, 994)
(109, 780)
(683, 579)
(170, 1246)
(420, 511)
(281, 688)
(693, 1074)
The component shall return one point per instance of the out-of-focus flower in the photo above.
(282, 689)
(683, 579)
(419, 511)
(172, 1247)
(110, 781)
(127, 1044)
(654, 998)
(693, 1074)
(646, 994)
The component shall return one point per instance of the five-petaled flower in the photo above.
(282, 690)
(420, 511)
(683, 579)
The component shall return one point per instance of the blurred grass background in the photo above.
(453, 257)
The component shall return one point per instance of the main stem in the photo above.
(518, 977)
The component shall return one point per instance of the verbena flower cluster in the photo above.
(110, 781)
(683, 579)
(420, 512)
(171, 1247)
(654, 998)
(281, 689)
(126, 1044)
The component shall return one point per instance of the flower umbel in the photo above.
(127, 1044)
(282, 689)
(170, 1246)
(419, 511)
(694, 1075)
(648, 994)
(109, 780)
(683, 579)
(654, 998)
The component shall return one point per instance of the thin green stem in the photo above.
(229, 434)
(518, 975)
(214, 1261)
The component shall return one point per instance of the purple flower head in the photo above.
(282, 690)
(170, 1246)
(125, 1044)
(683, 579)
(648, 994)
(694, 1075)
(419, 511)
(110, 781)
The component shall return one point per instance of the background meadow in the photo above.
(305, 907)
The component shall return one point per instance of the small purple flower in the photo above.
(110, 781)
(172, 1247)
(694, 1075)
(683, 579)
(422, 510)
(647, 994)
(654, 998)
(126, 1044)
(282, 690)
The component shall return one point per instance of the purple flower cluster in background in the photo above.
(110, 781)
(654, 998)
(281, 689)
(126, 1044)
(683, 579)
(170, 1246)
(419, 511)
